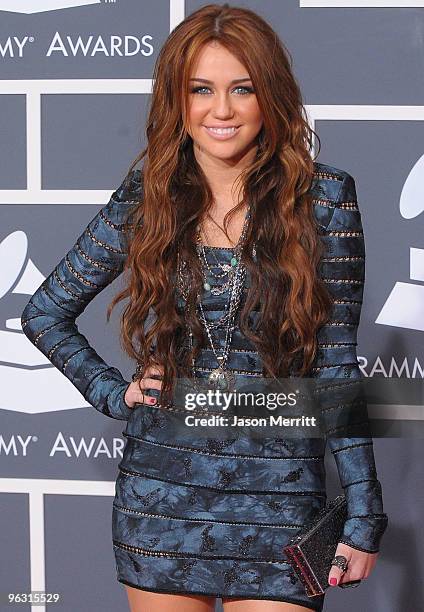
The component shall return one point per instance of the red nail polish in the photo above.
(333, 581)
(152, 400)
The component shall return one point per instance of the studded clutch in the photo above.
(311, 550)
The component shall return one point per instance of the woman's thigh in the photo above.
(148, 601)
(255, 605)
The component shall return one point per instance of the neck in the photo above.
(222, 174)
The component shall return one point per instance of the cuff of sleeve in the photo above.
(118, 409)
(364, 532)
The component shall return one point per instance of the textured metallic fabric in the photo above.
(211, 516)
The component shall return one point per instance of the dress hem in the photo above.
(191, 592)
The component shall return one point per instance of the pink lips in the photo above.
(222, 136)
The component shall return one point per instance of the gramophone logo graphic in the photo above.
(41, 6)
(29, 382)
(405, 305)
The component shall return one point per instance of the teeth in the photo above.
(222, 130)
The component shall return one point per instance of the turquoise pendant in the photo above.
(233, 261)
(207, 286)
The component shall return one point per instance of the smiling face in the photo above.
(222, 96)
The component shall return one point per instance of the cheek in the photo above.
(257, 114)
(197, 112)
(252, 113)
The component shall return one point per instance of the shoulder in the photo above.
(131, 188)
(124, 198)
(333, 189)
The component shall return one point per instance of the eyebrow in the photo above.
(232, 82)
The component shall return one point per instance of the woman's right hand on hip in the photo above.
(133, 394)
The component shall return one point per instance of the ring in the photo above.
(351, 583)
(341, 562)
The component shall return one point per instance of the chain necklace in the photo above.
(217, 290)
(227, 269)
(221, 377)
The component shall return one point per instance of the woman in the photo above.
(199, 518)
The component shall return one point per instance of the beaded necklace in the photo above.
(221, 377)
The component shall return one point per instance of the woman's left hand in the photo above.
(360, 565)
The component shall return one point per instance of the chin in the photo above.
(223, 154)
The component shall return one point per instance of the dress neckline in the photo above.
(219, 248)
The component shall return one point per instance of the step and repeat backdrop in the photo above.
(75, 80)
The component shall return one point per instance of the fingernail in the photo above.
(333, 581)
(152, 400)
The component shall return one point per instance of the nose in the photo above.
(222, 107)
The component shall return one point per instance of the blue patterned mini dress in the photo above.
(210, 515)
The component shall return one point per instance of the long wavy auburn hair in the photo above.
(285, 285)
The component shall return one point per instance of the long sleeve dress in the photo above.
(208, 516)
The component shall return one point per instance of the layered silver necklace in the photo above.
(235, 272)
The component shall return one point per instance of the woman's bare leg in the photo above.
(147, 601)
(256, 605)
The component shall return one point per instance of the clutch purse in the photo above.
(311, 550)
